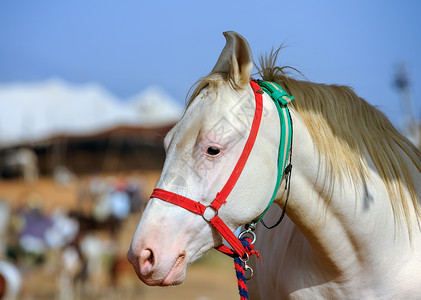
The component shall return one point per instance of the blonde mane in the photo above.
(346, 129)
(348, 132)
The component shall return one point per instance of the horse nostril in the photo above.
(151, 257)
(146, 261)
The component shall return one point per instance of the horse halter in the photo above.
(281, 99)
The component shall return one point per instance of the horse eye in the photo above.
(212, 150)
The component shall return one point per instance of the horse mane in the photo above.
(350, 134)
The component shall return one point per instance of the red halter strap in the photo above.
(221, 197)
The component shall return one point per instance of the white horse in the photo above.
(352, 229)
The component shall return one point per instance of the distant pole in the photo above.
(410, 128)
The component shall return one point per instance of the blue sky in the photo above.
(129, 45)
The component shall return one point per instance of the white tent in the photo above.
(36, 111)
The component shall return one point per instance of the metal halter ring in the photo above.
(251, 232)
(245, 259)
(248, 268)
(215, 213)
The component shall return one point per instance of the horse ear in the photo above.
(236, 59)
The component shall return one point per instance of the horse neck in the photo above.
(350, 228)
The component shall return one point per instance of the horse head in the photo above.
(202, 150)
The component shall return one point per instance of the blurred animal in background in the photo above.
(72, 274)
(22, 162)
(10, 281)
(10, 276)
(5, 212)
(85, 266)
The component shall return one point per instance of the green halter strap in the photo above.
(281, 99)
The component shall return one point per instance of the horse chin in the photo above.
(174, 276)
(171, 280)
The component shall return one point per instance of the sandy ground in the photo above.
(212, 277)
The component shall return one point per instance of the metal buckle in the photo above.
(249, 230)
(246, 267)
(215, 213)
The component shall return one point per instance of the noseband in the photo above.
(210, 212)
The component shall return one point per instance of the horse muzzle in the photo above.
(156, 269)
